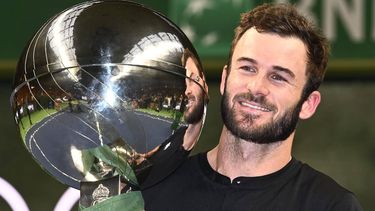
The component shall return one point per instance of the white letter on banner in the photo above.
(352, 18)
(67, 200)
(304, 7)
(12, 197)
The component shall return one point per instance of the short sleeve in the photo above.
(347, 203)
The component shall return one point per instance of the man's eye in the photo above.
(277, 77)
(195, 77)
(248, 68)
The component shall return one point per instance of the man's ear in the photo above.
(223, 79)
(310, 105)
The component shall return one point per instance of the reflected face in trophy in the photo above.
(194, 92)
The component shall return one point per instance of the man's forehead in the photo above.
(270, 47)
(191, 66)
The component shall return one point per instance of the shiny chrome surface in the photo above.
(106, 88)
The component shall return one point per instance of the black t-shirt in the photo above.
(165, 160)
(196, 186)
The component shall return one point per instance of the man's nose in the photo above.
(258, 85)
(188, 88)
(187, 91)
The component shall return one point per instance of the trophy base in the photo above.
(92, 193)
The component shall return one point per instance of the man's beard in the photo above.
(271, 132)
(194, 113)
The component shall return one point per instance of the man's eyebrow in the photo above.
(247, 59)
(276, 67)
(285, 70)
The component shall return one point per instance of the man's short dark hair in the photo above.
(285, 21)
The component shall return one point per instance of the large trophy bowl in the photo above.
(109, 92)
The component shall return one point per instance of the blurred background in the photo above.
(339, 140)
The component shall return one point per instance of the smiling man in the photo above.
(276, 64)
(196, 89)
(196, 93)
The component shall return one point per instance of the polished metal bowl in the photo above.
(106, 88)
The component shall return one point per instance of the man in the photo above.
(276, 64)
(197, 97)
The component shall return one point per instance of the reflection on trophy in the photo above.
(196, 94)
(109, 98)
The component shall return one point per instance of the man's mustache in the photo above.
(261, 100)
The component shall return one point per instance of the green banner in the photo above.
(349, 25)
(209, 23)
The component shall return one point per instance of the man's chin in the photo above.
(193, 117)
(252, 122)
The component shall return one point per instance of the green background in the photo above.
(338, 140)
(20, 19)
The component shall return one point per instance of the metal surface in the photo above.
(106, 88)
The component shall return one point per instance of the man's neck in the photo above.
(234, 157)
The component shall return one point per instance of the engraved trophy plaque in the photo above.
(109, 97)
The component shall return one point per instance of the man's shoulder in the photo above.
(314, 179)
(179, 190)
(191, 164)
(321, 188)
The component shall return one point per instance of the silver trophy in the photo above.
(109, 98)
